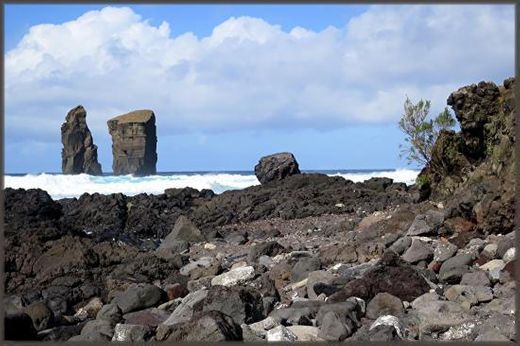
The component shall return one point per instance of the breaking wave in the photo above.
(64, 186)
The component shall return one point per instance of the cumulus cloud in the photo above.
(250, 73)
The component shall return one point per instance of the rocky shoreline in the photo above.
(302, 257)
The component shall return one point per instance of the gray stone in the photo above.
(462, 332)
(184, 311)
(183, 230)
(244, 305)
(131, 332)
(426, 223)
(204, 266)
(281, 334)
(490, 251)
(97, 330)
(352, 310)
(501, 305)
(234, 277)
(305, 333)
(505, 243)
(473, 248)
(477, 278)
(334, 327)
(384, 304)
(250, 335)
(172, 249)
(451, 270)
(319, 276)
(439, 316)
(390, 321)
(493, 267)
(504, 290)
(443, 251)
(111, 313)
(302, 268)
(497, 324)
(212, 326)
(418, 251)
(149, 317)
(134, 143)
(461, 294)
(425, 299)
(267, 323)
(138, 297)
(491, 336)
(400, 245)
(202, 283)
(294, 315)
(509, 255)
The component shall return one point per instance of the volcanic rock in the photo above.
(244, 305)
(391, 275)
(384, 304)
(134, 143)
(131, 332)
(138, 297)
(212, 326)
(79, 153)
(276, 167)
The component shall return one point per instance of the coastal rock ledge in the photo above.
(79, 154)
(134, 143)
(276, 167)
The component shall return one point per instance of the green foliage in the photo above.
(421, 132)
(422, 180)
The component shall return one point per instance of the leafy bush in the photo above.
(421, 132)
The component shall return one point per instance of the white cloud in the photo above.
(252, 74)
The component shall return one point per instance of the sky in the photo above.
(231, 83)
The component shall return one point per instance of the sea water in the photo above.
(64, 186)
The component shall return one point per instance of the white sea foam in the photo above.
(63, 186)
(400, 175)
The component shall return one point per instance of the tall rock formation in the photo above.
(79, 154)
(134, 143)
(473, 169)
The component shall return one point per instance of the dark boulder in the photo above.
(244, 305)
(19, 326)
(134, 143)
(391, 275)
(79, 153)
(138, 297)
(276, 167)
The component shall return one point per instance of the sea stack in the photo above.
(276, 167)
(79, 154)
(134, 143)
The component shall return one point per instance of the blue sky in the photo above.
(230, 83)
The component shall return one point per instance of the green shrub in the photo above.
(421, 132)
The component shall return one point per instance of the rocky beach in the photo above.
(300, 257)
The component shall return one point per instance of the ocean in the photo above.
(63, 186)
